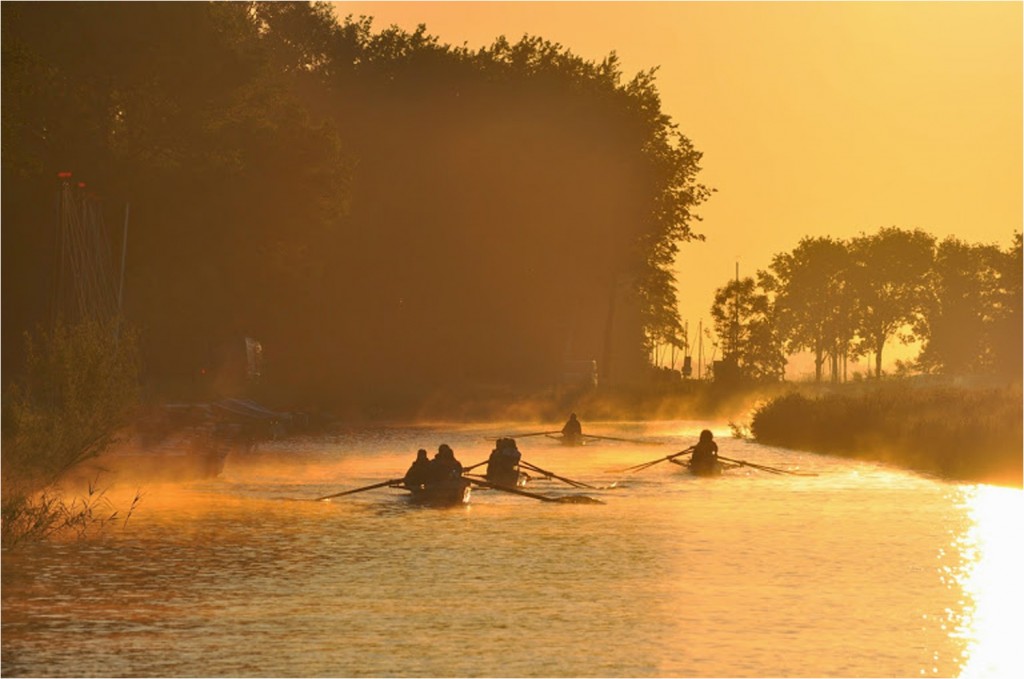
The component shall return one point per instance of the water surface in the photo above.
(860, 571)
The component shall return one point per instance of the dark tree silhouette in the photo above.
(890, 285)
(387, 214)
(742, 313)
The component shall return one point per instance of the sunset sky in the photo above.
(814, 118)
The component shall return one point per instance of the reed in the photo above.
(79, 388)
(971, 434)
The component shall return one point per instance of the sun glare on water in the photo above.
(993, 551)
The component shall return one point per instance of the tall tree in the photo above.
(378, 208)
(957, 324)
(811, 301)
(1008, 321)
(890, 284)
(743, 318)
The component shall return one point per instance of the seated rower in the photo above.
(705, 454)
(572, 432)
(503, 463)
(419, 473)
(444, 468)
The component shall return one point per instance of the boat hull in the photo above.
(706, 470)
(508, 479)
(714, 469)
(571, 441)
(442, 496)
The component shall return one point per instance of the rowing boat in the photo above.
(714, 469)
(444, 495)
(568, 440)
(510, 478)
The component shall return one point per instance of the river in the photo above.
(860, 571)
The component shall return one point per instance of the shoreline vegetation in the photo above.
(954, 432)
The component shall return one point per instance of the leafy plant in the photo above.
(79, 388)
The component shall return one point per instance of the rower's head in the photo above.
(706, 435)
(421, 455)
(444, 451)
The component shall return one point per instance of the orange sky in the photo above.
(814, 118)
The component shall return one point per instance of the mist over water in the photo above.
(860, 571)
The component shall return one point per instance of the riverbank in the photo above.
(960, 433)
(478, 403)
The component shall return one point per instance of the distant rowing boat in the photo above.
(714, 469)
(568, 440)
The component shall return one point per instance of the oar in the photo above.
(474, 466)
(536, 433)
(360, 490)
(545, 472)
(578, 499)
(772, 470)
(613, 438)
(645, 465)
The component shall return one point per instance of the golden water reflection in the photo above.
(991, 575)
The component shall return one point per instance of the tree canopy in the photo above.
(840, 299)
(384, 212)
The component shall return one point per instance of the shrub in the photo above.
(960, 433)
(79, 387)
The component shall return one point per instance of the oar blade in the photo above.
(579, 500)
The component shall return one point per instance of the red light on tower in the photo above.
(64, 175)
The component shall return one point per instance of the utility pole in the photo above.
(700, 347)
(736, 314)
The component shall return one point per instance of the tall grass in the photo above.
(959, 433)
(79, 387)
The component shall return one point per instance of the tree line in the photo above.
(382, 211)
(845, 299)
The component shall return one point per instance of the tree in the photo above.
(1008, 321)
(890, 285)
(79, 388)
(384, 212)
(956, 325)
(743, 318)
(812, 298)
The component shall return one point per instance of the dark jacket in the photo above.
(705, 454)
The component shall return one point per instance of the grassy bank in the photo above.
(970, 434)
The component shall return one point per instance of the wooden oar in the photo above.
(771, 470)
(545, 472)
(578, 499)
(645, 465)
(613, 438)
(360, 490)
